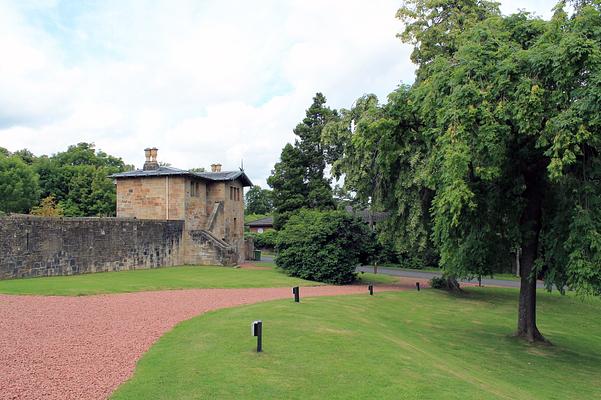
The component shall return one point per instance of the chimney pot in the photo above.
(151, 159)
(153, 154)
(216, 167)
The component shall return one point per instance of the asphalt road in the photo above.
(430, 275)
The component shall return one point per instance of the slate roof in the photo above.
(170, 171)
(375, 216)
(268, 221)
(367, 215)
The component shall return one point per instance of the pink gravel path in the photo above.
(54, 347)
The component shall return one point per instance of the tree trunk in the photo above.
(527, 307)
(531, 223)
(451, 283)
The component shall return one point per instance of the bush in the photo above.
(48, 208)
(444, 283)
(265, 240)
(323, 246)
(438, 282)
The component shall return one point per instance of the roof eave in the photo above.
(246, 182)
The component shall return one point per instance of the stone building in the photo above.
(165, 217)
(211, 205)
(261, 225)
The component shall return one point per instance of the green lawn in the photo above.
(152, 279)
(506, 277)
(407, 345)
(399, 266)
(368, 278)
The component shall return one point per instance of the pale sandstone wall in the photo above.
(147, 198)
(177, 198)
(216, 193)
(196, 206)
(234, 219)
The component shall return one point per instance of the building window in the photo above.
(194, 189)
(234, 193)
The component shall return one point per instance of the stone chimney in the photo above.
(151, 162)
(215, 167)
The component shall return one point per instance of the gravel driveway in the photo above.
(54, 347)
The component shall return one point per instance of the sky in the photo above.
(204, 81)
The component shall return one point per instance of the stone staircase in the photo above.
(211, 220)
(211, 250)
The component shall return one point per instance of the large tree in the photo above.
(515, 115)
(382, 158)
(288, 183)
(258, 201)
(19, 189)
(78, 179)
(298, 179)
(507, 141)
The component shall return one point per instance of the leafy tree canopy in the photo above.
(258, 201)
(383, 158)
(19, 188)
(298, 179)
(78, 180)
(494, 149)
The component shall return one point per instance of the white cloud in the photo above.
(203, 81)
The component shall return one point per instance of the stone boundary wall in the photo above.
(42, 246)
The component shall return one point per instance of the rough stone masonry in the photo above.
(42, 246)
(165, 216)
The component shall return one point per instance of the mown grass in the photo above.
(504, 276)
(153, 279)
(408, 345)
(367, 278)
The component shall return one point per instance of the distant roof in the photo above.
(170, 171)
(367, 215)
(268, 221)
(373, 216)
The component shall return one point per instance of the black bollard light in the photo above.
(296, 293)
(371, 290)
(257, 330)
(417, 286)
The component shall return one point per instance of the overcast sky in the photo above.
(204, 81)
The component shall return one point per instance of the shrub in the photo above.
(265, 240)
(444, 283)
(48, 208)
(438, 282)
(323, 246)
